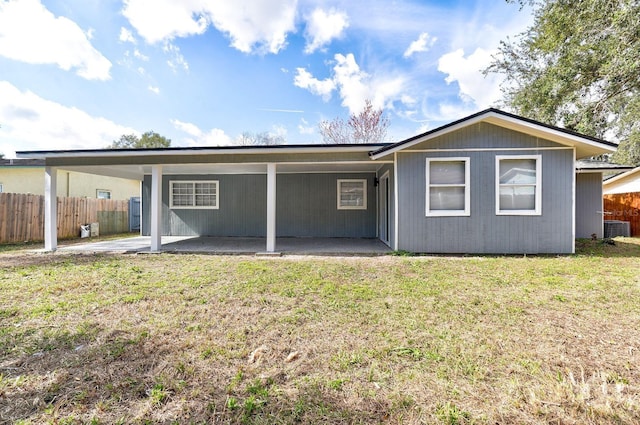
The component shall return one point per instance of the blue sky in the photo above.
(77, 74)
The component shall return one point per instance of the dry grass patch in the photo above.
(213, 339)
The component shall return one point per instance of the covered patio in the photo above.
(241, 212)
(237, 246)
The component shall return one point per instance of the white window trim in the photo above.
(467, 190)
(1, 188)
(364, 195)
(103, 190)
(194, 207)
(538, 190)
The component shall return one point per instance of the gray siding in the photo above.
(242, 212)
(484, 231)
(484, 136)
(306, 207)
(589, 205)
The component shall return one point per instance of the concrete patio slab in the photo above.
(236, 245)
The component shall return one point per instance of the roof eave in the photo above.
(621, 176)
(222, 150)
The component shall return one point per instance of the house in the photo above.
(492, 182)
(626, 182)
(27, 176)
(622, 202)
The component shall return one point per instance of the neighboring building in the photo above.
(27, 176)
(626, 182)
(622, 203)
(492, 183)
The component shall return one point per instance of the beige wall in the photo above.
(15, 179)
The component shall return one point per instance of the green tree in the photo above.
(577, 66)
(368, 126)
(150, 139)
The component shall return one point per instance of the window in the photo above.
(518, 185)
(447, 187)
(194, 194)
(103, 194)
(1, 189)
(352, 194)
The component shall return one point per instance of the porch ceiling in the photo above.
(137, 172)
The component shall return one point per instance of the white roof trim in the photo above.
(621, 176)
(430, 136)
(558, 136)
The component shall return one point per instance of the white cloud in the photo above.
(260, 25)
(354, 85)
(467, 72)
(422, 44)
(30, 33)
(126, 36)
(30, 122)
(213, 137)
(408, 100)
(177, 60)
(305, 128)
(350, 80)
(323, 27)
(305, 80)
(137, 54)
(153, 89)
(159, 20)
(252, 25)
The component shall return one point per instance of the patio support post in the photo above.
(156, 208)
(50, 208)
(271, 207)
(396, 223)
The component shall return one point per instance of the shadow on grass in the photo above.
(609, 248)
(45, 259)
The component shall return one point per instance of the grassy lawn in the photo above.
(105, 339)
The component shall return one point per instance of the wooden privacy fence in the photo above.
(624, 207)
(22, 216)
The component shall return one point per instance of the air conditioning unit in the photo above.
(613, 228)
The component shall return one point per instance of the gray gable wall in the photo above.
(484, 136)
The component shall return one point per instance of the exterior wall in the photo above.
(306, 207)
(484, 231)
(242, 208)
(86, 185)
(589, 219)
(22, 180)
(16, 179)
